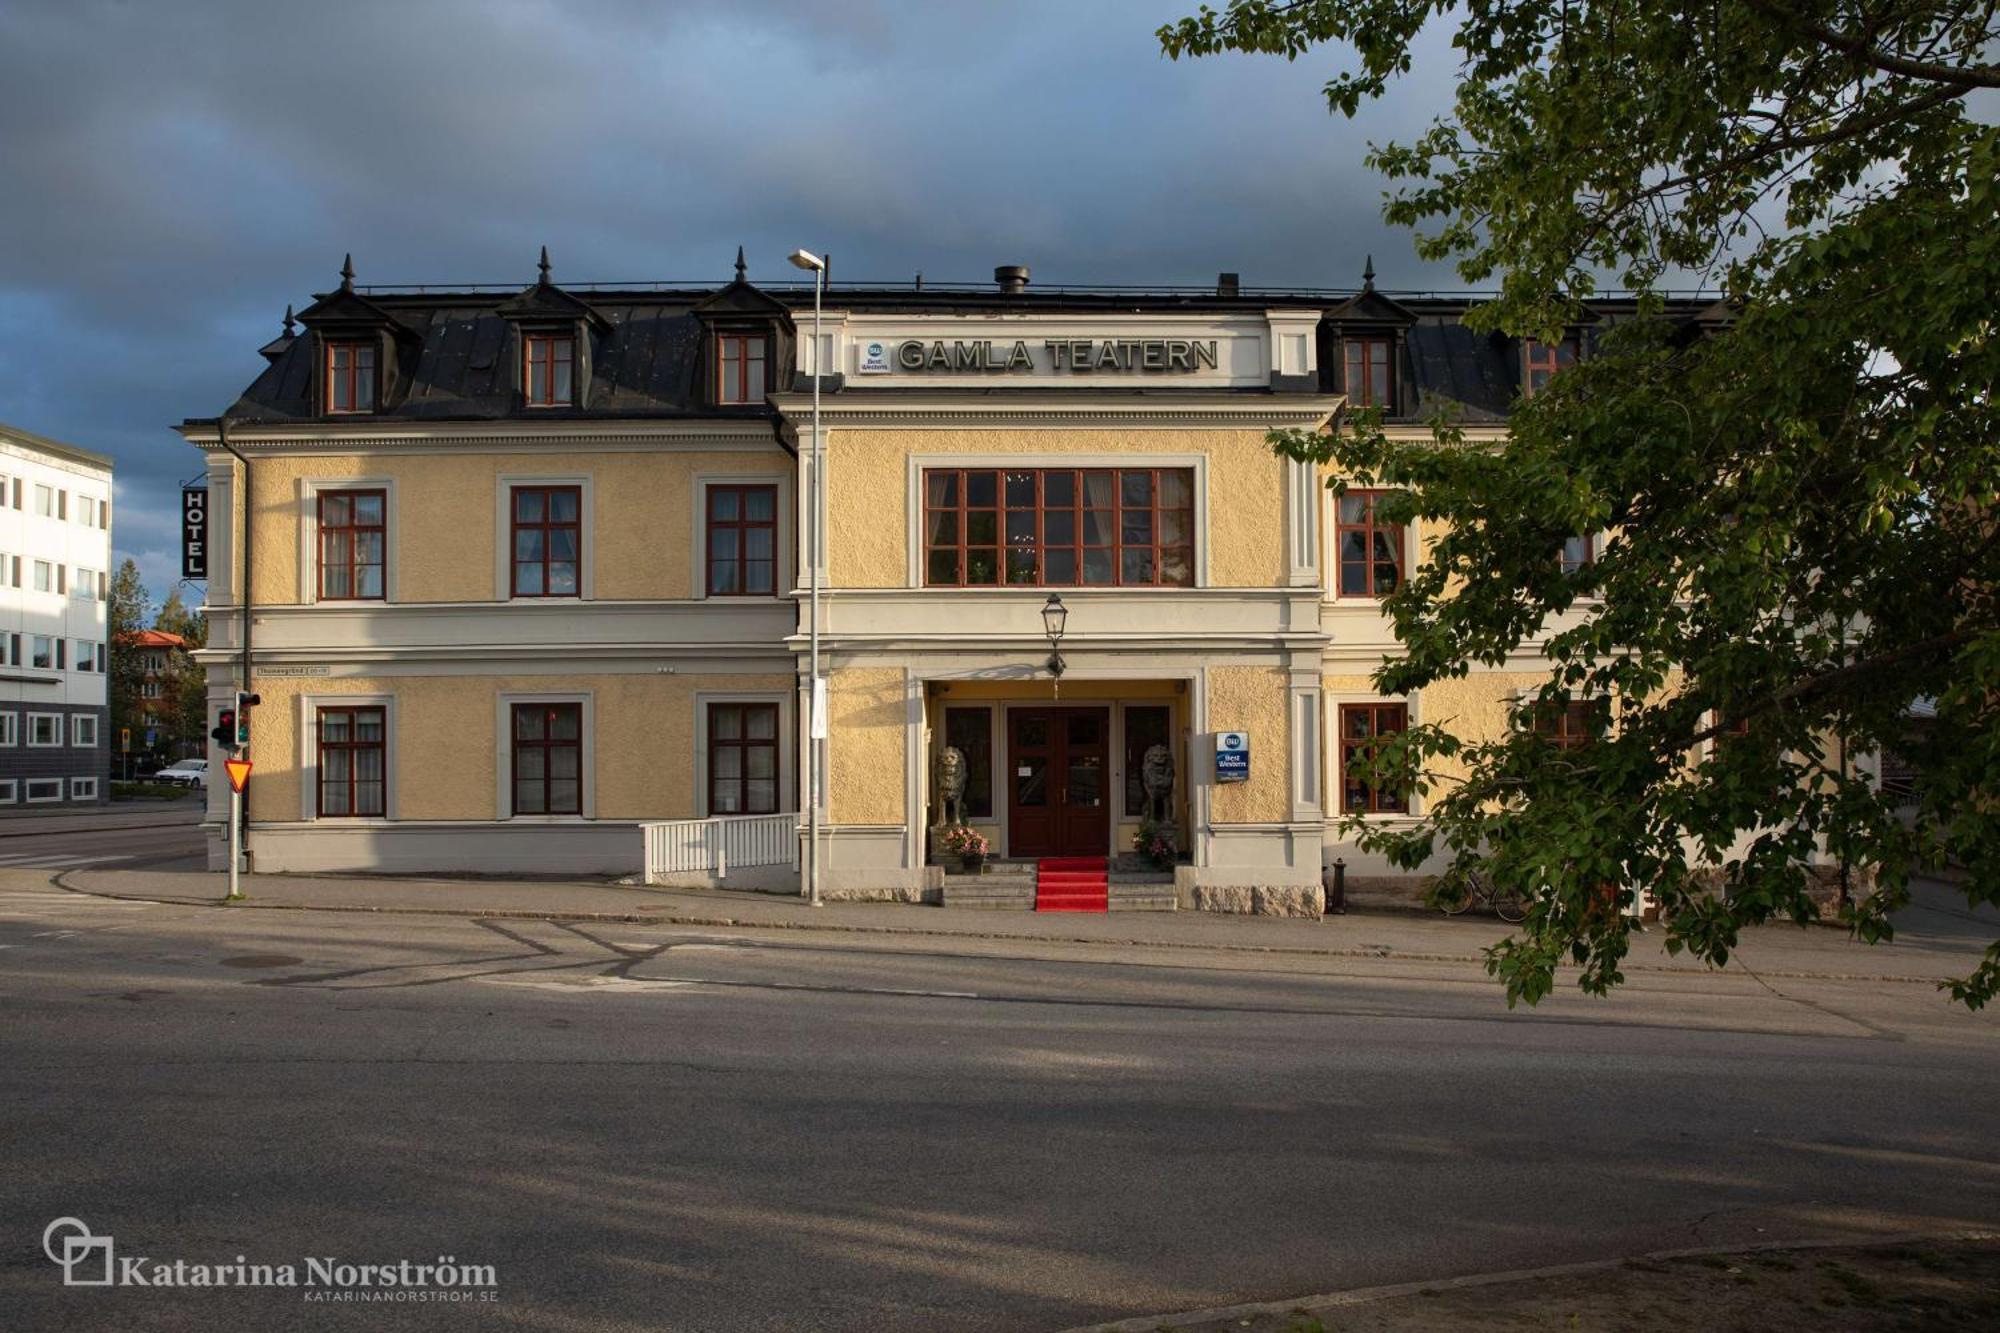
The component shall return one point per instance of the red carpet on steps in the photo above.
(1072, 884)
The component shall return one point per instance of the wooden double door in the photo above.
(1058, 782)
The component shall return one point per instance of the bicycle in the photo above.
(1509, 906)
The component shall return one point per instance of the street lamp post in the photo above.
(816, 728)
(1054, 617)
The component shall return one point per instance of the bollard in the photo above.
(1337, 900)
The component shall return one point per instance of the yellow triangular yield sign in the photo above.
(239, 772)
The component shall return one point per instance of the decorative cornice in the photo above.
(511, 435)
(892, 410)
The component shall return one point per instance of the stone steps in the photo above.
(1010, 893)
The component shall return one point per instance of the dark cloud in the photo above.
(176, 173)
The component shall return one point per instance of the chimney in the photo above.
(1013, 279)
(1227, 284)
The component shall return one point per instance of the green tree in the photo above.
(183, 710)
(126, 616)
(1805, 546)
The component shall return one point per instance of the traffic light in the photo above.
(225, 730)
(241, 714)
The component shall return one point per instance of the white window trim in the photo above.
(1332, 783)
(1331, 552)
(28, 796)
(503, 765)
(305, 727)
(781, 575)
(788, 794)
(57, 719)
(10, 791)
(914, 503)
(77, 792)
(308, 501)
(10, 729)
(76, 724)
(503, 539)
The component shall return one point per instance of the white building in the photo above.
(55, 576)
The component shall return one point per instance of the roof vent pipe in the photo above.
(1013, 279)
(1227, 284)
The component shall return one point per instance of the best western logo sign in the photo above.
(1076, 356)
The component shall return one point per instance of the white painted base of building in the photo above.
(571, 849)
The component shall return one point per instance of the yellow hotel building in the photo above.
(528, 579)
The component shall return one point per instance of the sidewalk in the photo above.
(1774, 950)
(104, 818)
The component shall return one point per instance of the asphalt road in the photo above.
(104, 840)
(646, 1127)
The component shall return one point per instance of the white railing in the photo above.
(717, 846)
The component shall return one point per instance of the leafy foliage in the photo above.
(1804, 546)
(125, 615)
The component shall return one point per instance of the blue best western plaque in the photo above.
(1232, 756)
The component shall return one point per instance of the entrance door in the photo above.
(1057, 803)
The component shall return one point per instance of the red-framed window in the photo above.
(1368, 551)
(353, 761)
(1578, 552)
(1059, 527)
(740, 360)
(742, 759)
(350, 376)
(548, 363)
(1369, 381)
(1540, 361)
(1573, 725)
(1361, 728)
(547, 540)
(353, 536)
(742, 541)
(548, 759)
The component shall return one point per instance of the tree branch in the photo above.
(1864, 50)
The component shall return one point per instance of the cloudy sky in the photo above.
(176, 171)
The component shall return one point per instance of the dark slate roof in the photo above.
(643, 364)
(646, 345)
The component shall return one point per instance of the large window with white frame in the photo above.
(42, 790)
(1362, 729)
(546, 746)
(353, 544)
(45, 730)
(1059, 527)
(83, 789)
(10, 728)
(352, 761)
(1368, 552)
(10, 791)
(83, 730)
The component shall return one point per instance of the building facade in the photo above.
(160, 655)
(55, 561)
(527, 570)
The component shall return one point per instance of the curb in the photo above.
(59, 880)
(1335, 1300)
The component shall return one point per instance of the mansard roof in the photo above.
(647, 343)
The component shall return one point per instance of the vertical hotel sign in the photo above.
(194, 532)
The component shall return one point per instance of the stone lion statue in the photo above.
(1156, 774)
(951, 784)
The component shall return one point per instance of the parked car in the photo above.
(186, 773)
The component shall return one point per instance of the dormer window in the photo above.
(1540, 361)
(740, 366)
(1369, 382)
(548, 364)
(350, 377)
